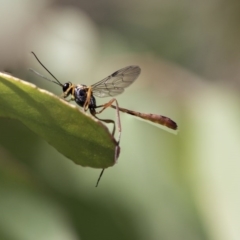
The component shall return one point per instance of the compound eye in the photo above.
(65, 86)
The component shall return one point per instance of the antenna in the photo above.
(58, 82)
(40, 75)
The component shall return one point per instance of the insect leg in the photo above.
(117, 148)
(66, 94)
(70, 99)
(86, 104)
(100, 176)
(107, 121)
(109, 104)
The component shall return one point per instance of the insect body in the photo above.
(110, 86)
(79, 94)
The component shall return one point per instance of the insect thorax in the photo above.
(80, 94)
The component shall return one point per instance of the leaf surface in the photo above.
(78, 136)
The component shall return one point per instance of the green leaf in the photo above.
(78, 136)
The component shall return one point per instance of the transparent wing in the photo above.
(116, 82)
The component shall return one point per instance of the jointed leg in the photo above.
(117, 148)
(106, 105)
(86, 104)
(66, 94)
(107, 121)
(70, 99)
(100, 177)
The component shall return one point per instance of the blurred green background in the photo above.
(164, 186)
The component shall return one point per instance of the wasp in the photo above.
(110, 86)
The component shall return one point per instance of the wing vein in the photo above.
(116, 83)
